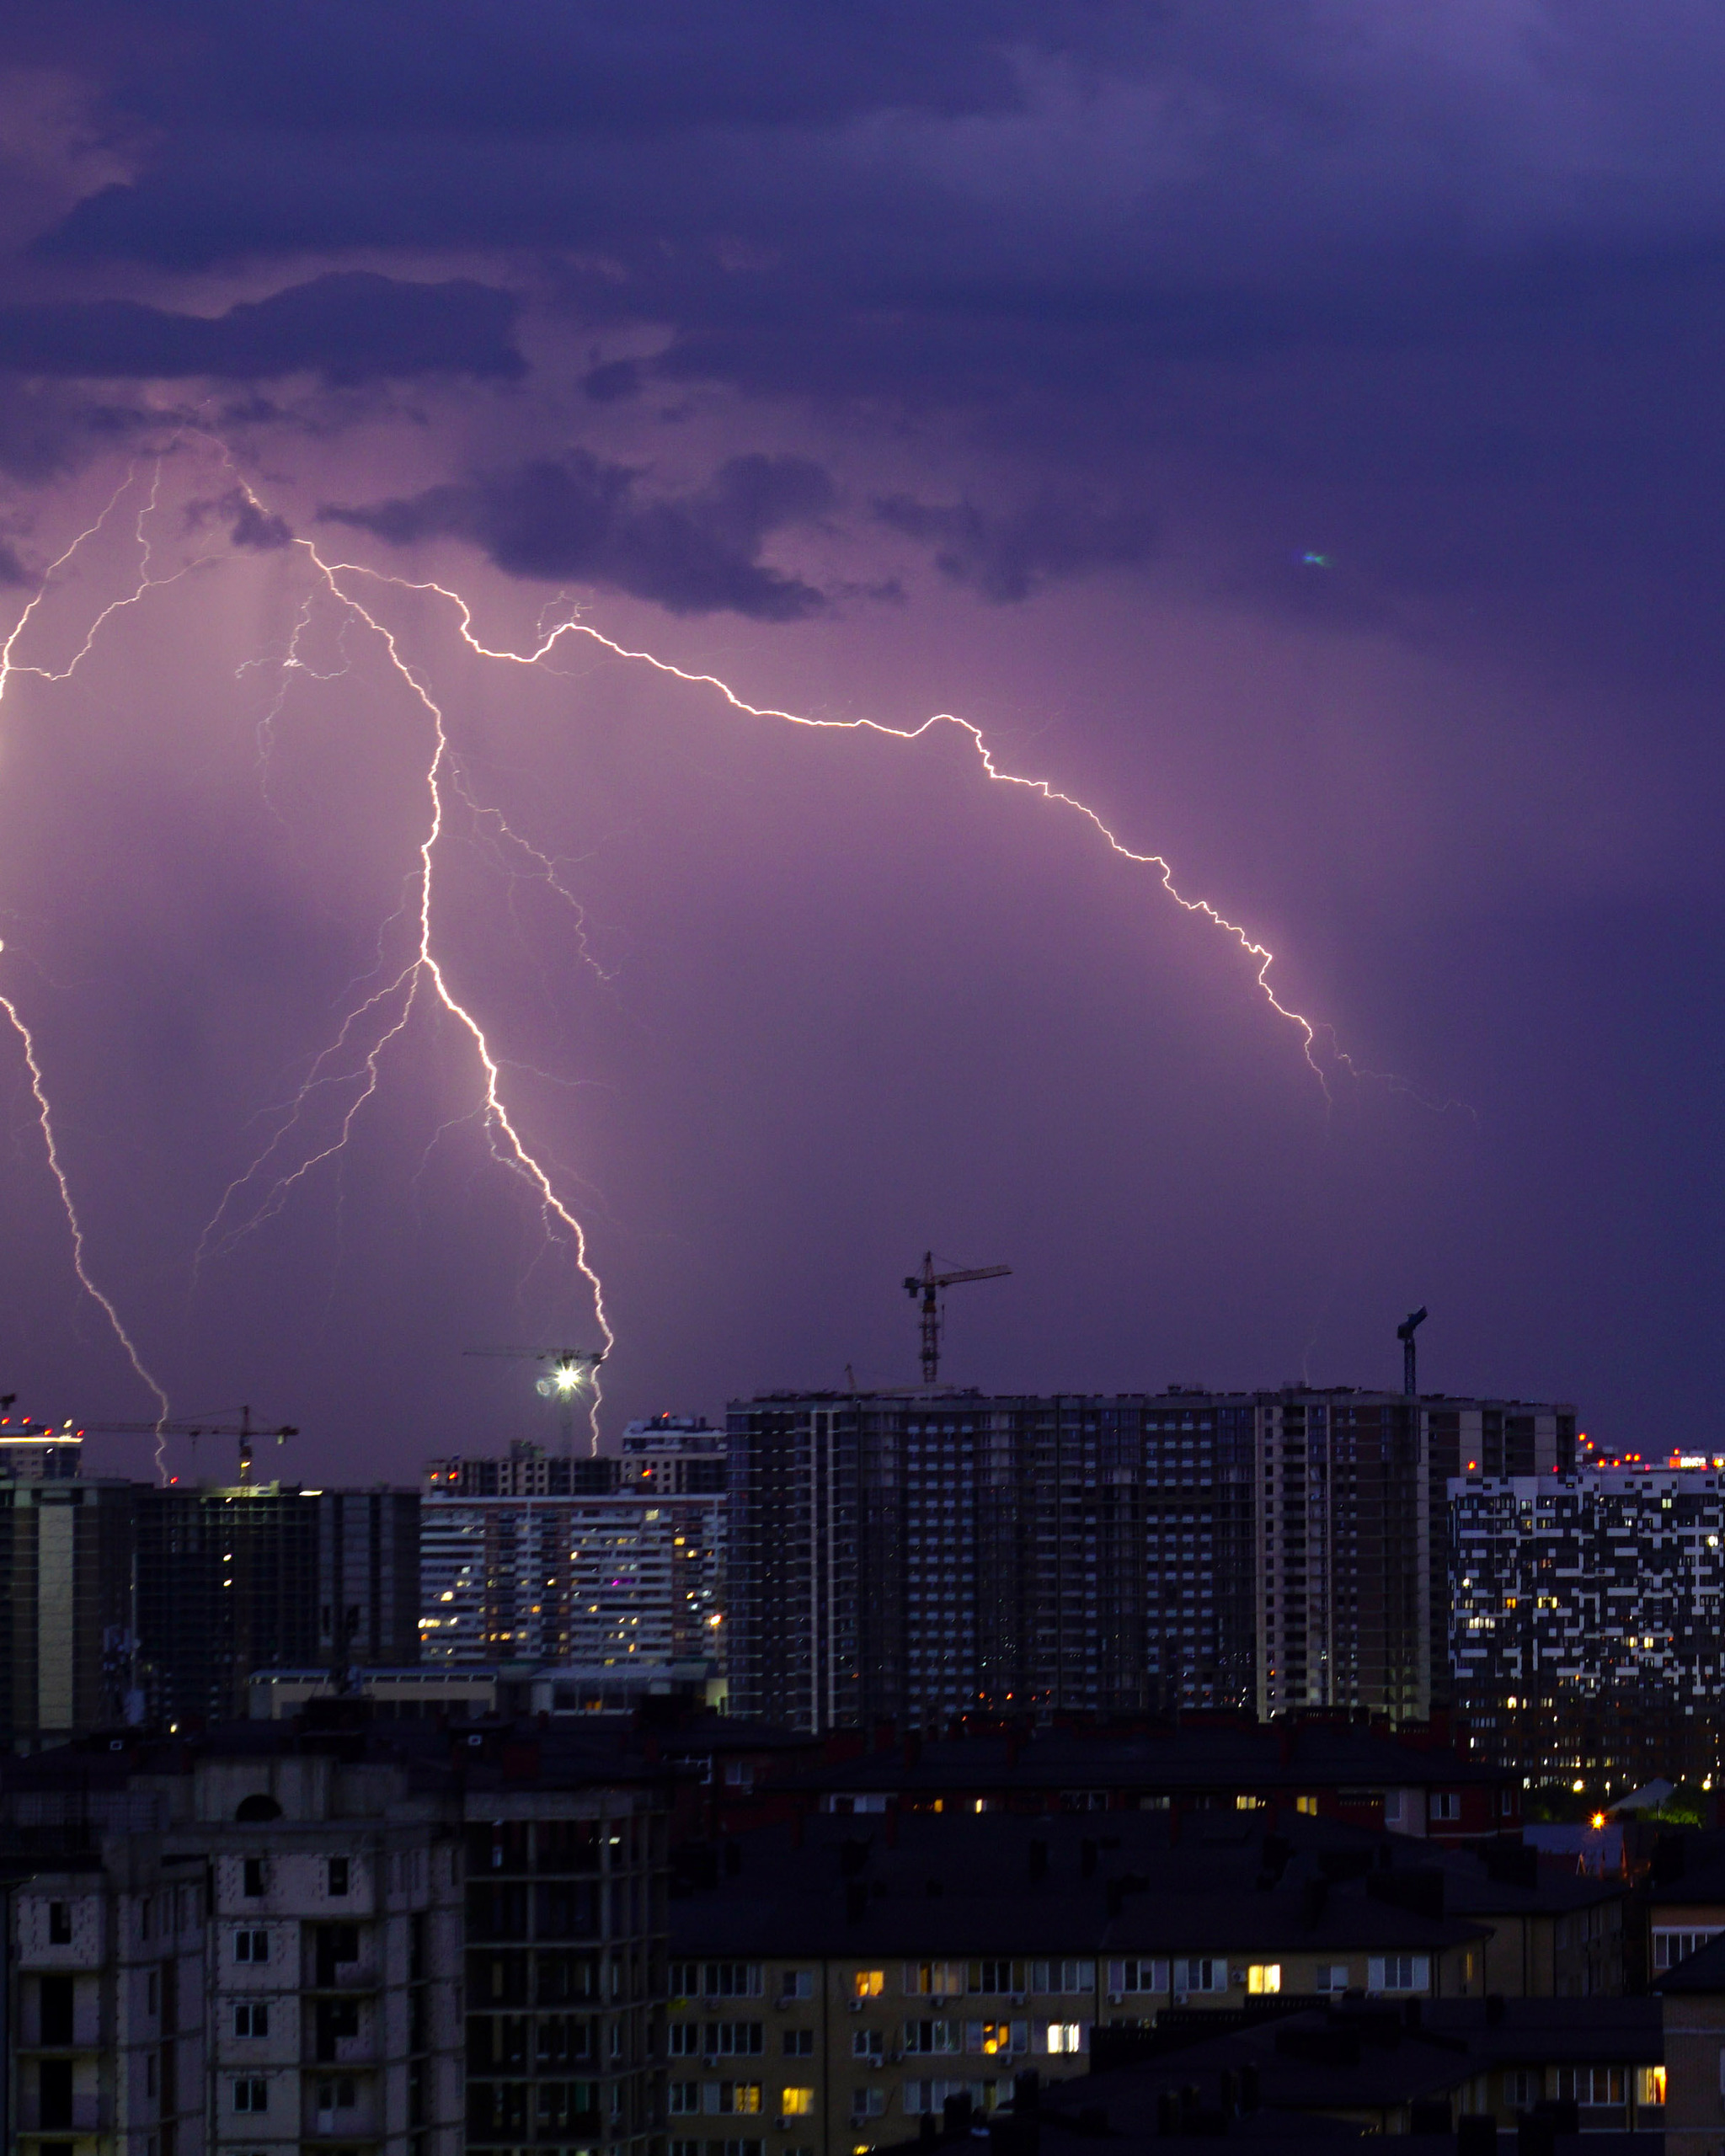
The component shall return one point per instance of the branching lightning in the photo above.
(348, 1068)
(10, 664)
(1311, 1030)
(45, 1117)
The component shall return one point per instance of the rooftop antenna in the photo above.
(928, 1284)
(1404, 1332)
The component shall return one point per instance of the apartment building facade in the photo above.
(628, 1572)
(1587, 1634)
(360, 1939)
(910, 1556)
(831, 1987)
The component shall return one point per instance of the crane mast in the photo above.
(930, 1285)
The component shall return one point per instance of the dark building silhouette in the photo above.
(368, 1577)
(912, 1555)
(226, 1583)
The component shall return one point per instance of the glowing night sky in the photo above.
(1291, 430)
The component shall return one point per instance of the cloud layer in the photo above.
(576, 516)
(349, 326)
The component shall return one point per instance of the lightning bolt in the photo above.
(1311, 1030)
(423, 977)
(352, 1061)
(45, 1117)
(10, 664)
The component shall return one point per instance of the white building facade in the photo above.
(628, 1575)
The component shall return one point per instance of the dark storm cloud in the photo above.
(349, 326)
(260, 530)
(48, 428)
(578, 516)
(547, 67)
(1331, 261)
(1006, 558)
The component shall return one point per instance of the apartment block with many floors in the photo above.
(519, 1566)
(341, 1934)
(911, 1556)
(1587, 1625)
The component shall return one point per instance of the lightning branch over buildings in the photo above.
(377, 1021)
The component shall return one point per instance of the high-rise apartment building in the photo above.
(368, 1577)
(66, 1586)
(226, 1583)
(126, 1602)
(1587, 1631)
(351, 1938)
(520, 1564)
(910, 1556)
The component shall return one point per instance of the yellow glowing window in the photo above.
(1308, 1805)
(1248, 1803)
(868, 1983)
(796, 2103)
(1264, 1975)
(996, 2037)
(1650, 2085)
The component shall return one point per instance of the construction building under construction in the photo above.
(915, 1556)
(124, 1602)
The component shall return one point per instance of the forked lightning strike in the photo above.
(342, 1063)
(9, 665)
(45, 1117)
(424, 968)
(1309, 1029)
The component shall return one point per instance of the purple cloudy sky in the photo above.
(1294, 427)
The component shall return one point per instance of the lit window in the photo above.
(1264, 1977)
(868, 1983)
(1064, 2037)
(1650, 2084)
(796, 2103)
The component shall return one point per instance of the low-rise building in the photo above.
(829, 1982)
(1596, 2065)
(1692, 1995)
(1412, 1782)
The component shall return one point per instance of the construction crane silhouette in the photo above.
(242, 1430)
(571, 1368)
(1404, 1332)
(929, 1285)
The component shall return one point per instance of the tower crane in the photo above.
(571, 1368)
(242, 1430)
(929, 1285)
(1404, 1332)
